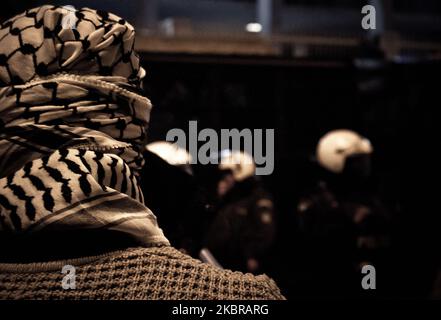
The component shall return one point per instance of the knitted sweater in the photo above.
(136, 274)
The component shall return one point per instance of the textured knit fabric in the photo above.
(138, 273)
(72, 125)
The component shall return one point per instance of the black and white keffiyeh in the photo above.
(72, 125)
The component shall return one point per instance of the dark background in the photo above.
(304, 102)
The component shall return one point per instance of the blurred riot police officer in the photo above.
(243, 229)
(343, 222)
(174, 195)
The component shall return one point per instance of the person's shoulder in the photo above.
(154, 273)
(193, 279)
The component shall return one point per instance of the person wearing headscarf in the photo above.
(72, 129)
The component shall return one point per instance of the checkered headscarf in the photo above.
(48, 40)
(71, 69)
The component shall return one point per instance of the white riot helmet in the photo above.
(240, 163)
(170, 152)
(336, 146)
